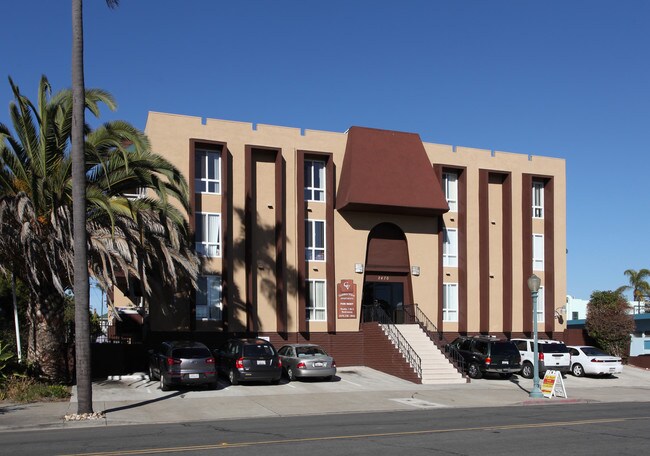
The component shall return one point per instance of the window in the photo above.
(137, 193)
(540, 305)
(208, 234)
(316, 300)
(314, 180)
(450, 247)
(538, 252)
(450, 183)
(450, 302)
(207, 171)
(575, 316)
(208, 298)
(538, 199)
(314, 240)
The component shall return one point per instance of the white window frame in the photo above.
(450, 184)
(312, 192)
(450, 247)
(209, 291)
(314, 252)
(538, 252)
(450, 302)
(538, 199)
(210, 244)
(203, 184)
(540, 305)
(316, 306)
(140, 192)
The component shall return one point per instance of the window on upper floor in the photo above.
(450, 247)
(315, 240)
(449, 302)
(137, 193)
(207, 171)
(450, 184)
(538, 199)
(538, 252)
(316, 300)
(314, 180)
(208, 298)
(208, 234)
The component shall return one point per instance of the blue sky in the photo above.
(568, 79)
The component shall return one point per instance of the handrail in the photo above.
(438, 338)
(376, 313)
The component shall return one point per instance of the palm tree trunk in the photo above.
(47, 349)
(81, 284)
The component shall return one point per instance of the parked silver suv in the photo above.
(552, 354)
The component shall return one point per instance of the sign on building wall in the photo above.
(346, 299)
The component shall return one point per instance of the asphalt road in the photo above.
(576, 429)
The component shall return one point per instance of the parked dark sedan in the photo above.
(307, 360)
(182, 363)
(251, 359)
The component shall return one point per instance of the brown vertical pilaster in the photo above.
(527, 249)
(507, 253)
(484, 251)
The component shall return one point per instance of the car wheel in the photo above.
(152, 376)
(473, 371)
(505, 375)
(232, 377)
(527, 370)
(213, 386)
(578, 370)
(290, 374)
(329, 378)
(163, 383)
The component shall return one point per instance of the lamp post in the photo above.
(533, 285)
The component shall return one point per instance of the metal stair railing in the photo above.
(379, 315)
(438, 338)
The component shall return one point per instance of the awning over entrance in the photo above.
(389, 172)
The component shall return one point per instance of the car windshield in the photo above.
(302, 352)
(258, 351)
(504, 348)
(593, 351)
(553, 348)
(190, 353)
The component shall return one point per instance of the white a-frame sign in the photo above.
(553, 384)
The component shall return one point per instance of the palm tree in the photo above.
(81, 283)
(638, 283)
(142, 238)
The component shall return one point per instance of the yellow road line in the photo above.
(224, 445)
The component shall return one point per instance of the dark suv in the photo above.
(487, 354)
(250, 359)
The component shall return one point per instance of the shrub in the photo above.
(609, 323)
(25, 389)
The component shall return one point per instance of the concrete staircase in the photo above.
(436, 369)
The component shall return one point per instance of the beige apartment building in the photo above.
(306, 235)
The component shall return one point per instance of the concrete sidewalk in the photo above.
(136, 400)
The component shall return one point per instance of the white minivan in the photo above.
(552, 354)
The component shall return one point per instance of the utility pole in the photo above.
(13, 290)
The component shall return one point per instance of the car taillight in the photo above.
(301, 365)
(333, 363)
(541, 356)
(279, 362)
(488, 360)
(239, 364)
(209, 361)
(596, 360)
(172, 361)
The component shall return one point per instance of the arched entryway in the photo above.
(387, 280)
